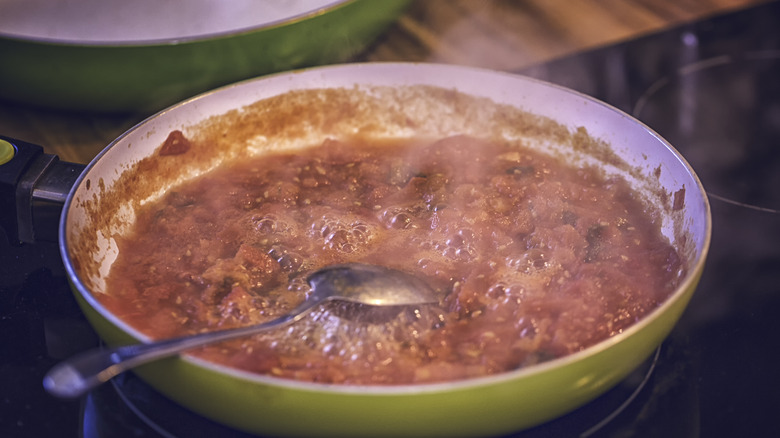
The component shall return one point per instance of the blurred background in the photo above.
(702, 73)
(70, 119)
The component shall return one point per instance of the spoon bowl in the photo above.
(354, 282)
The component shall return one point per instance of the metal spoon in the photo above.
(357, 283)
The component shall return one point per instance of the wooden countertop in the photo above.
(495, 34)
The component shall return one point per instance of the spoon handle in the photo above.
(78, 375)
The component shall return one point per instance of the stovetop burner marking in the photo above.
(606, 420)
(742, 204)
(684, 84)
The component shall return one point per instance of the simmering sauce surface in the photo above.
(532, 259)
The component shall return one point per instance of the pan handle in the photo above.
(33, 189)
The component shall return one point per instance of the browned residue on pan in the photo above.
(301, 118)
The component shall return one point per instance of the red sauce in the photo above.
(533, 260)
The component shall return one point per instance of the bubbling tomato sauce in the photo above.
(532, 259)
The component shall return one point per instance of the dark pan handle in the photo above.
(33, 188)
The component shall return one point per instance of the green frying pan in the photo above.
(117, 56)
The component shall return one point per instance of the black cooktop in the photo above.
(711, 88)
